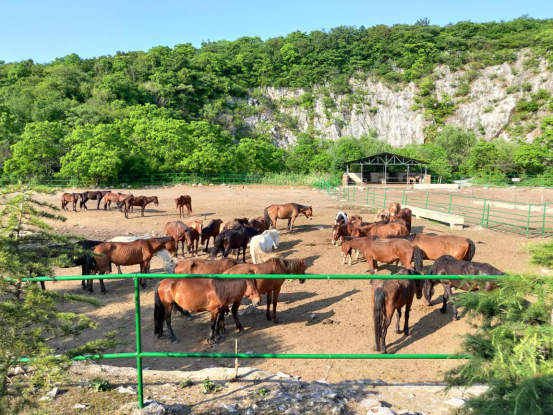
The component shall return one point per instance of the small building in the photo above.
(386, 168)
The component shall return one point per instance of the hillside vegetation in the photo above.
(186, 109)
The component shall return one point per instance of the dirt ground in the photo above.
(342, 308)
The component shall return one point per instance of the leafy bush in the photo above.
(100, 385)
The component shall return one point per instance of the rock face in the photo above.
(393, 114)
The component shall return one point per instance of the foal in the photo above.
(182, 202)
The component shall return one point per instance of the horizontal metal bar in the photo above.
(264, 276)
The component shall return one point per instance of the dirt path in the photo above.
(342, 308)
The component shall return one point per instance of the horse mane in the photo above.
(409, 238)
(293, 266)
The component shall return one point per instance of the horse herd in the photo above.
(386, 240)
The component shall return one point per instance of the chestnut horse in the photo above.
(197, 224)
(202, 294)
(389, 296)
(435, 246)
(210, 231)
(259, 223)
(382, 229)
(383, 250)
(382, 215)
(93, 195)
(269, 286)
(182, 202)
(288, 211)
(404, 214)
(180, 233)
(447, 265)
(394, 209)
(116, 198)
(141, 201)
(129, 253)
(67, 198)
(233, 239)
(338, 233)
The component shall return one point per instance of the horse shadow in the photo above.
(426, 326)
(285, 245)
(310, 260)
(417, 229)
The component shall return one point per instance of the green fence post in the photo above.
(543, 221)
(426, 202)
(354, 193)
(449, 207)
(488, 217)
(385, 192)
(374, 197)
(367, 197)
(483, 213)
(138, 343)
(528, 219)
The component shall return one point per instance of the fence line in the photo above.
(530, 220)
(139, 354)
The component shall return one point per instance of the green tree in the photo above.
(483, 158)
(258, 156)
(30, 317)
(456, 142)
(38, 152)
(302, 154)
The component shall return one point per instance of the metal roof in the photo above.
(388, 159)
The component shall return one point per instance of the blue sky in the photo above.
(45, 29)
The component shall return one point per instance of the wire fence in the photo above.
(530, 220)
(139, 354)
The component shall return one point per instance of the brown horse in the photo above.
(141, 201)
(182, 202)
(288, 211)
(405, 215)
(435, 246)
(394, 209)
(382, 229)
(140, 252)
(93, 195)
(235, 223)
(210, 231)
(193, 238)
(67, 198)
(382, 215)
(115, 198)
(202, 294)
(383, 250)
(354, 218)
(259, 223)
(447, 265)
(338, 233)
(269, 286)
(197, 224)
(180, 233)
(389, 296)
(204, 266)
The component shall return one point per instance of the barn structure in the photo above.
(386, 168)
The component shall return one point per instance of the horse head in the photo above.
(252, 292)
(335, 234)
(156, 202)
(309, 213)
(428, 290)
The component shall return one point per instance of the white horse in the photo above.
(263, 243)
(168, 262)
(341, 217)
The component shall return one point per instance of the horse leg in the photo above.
(243, 251)
(235, 306)
(447, 293)
(389, 315)
(288, 226)
(406, 322)
(143, 209)
(397, 320)
(269, 300)
(276, 293)
(144, 269)
(103, 289)
(207, 244)
(214, 316)
(172, 336)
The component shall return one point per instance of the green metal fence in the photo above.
(530, 220)
(139, 354)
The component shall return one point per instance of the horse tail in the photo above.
(159, 313)
(218, 244)
(267, 217)
(379, 312)
(417, 258)
(470, 253)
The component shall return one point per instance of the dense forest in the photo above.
(182, 109)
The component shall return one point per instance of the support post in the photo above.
(139, 385)
(450, 199)
(528, 220)
(408, 176)
(543, 222)
(385, 180)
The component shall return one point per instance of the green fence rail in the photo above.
(530, 220)
(139, 354)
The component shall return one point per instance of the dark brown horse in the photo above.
(67, 198)
(339, 232)
(202, 294)
(141, 201)
(182, 202)
(193, 239)
(382, 229)
(288, 211)
(269, 286)
(235, 223)
(435, 246)
(233, 239)
(394, 209)
(405, 215)
(116, 198)
(389, 296)
(93, 195)
(210, 231)
(180, 233)
(383, 250)
(129, 253)
(447, 265)
(259, 223)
